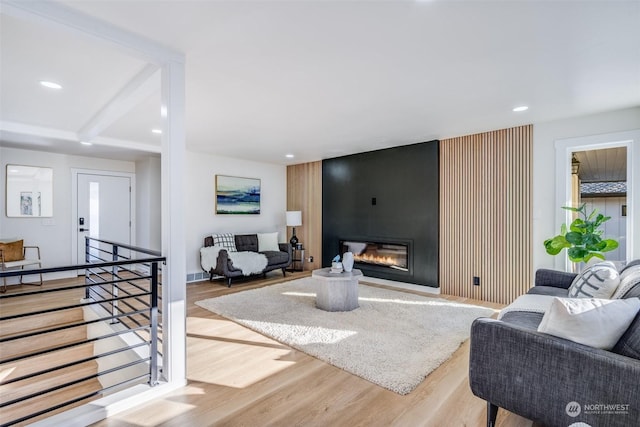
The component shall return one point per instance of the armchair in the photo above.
(13, 254)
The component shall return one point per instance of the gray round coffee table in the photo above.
(336, 291)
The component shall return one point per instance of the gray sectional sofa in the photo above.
(248, 242)
(552, 380)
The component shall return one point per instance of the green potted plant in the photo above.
(584, 239)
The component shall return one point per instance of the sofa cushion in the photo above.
(548, 290)
(276, 257)
(629, 283)
(597, 281)
(247, 242)
(594, 322)
(225, 241)
(629, 344)
(12, 251)
(635, 262)
(528, 303)
(268, 242)
(526, 319)
(555, 278)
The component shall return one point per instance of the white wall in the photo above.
(55, 240)
(53, 235)
(148, 206)
(200, 195)
(616, 227)
(544, 174)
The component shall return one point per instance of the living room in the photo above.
(184, 172)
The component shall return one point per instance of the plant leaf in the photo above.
(572, 209)
(574, 237)
(577, 254)
(591, 255)
(578, 225)
(591, 239)
(610, 245)
(597, 247)
(554, 245)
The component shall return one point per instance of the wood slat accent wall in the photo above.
(304, 193)
(485, 214)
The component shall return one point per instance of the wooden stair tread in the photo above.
(40, 322)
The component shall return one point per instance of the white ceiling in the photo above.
(320, 79)
(604, 165)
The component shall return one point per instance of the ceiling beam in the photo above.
(122, 143)
(52, 13)
(39, 135)
(139, 88)
(39, 131)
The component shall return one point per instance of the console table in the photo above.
(336, 291)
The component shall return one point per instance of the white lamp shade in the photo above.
(294, 218)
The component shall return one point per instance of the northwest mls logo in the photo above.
(573, 409)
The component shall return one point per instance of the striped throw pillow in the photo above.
(597, 281)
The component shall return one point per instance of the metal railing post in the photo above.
(153, 317)
(114, 286)
(87, 260)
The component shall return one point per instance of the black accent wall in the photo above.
(385, 195)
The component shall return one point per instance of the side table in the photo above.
(297, 258)
(336, 291)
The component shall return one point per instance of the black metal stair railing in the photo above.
(122, 294)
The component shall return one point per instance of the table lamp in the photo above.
(294, 218)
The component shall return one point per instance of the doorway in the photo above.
(565, 150)
(103, 209)
(600, 182)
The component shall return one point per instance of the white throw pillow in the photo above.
(227, 241)
(597, 281)
(268, 242)
(628, 280)
(590, 321)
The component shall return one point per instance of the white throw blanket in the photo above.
(532, 303)
(249, 262)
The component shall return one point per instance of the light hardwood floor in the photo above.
(237, 377)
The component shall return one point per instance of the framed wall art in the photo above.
(237, 196)
(29, 191)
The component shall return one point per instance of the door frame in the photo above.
(74, 205)
(564, 151)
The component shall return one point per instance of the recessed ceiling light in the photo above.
(50, 85)
(289, 156)
(158, 131)
(85, 143)
(520, 108)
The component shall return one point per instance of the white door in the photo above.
(104, 212)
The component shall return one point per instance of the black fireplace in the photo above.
(378, 254)
(387, 200)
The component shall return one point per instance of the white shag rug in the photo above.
(394, 339)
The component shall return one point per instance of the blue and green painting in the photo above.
(238, 196)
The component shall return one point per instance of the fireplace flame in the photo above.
(375, 259)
